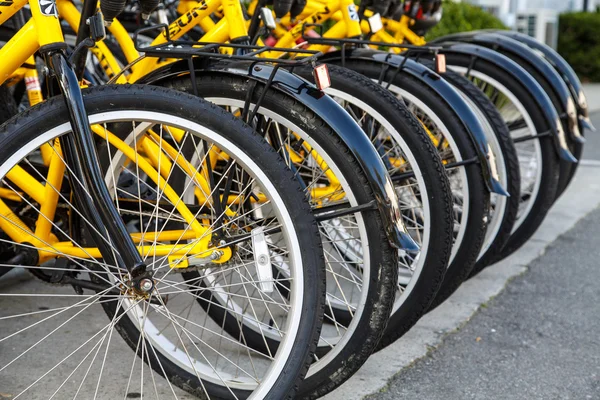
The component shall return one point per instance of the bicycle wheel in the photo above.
(248, 201)
(567, 168)
(470, 197)
(360, 263)
(420, 181)
(538, 161)
(503, 210)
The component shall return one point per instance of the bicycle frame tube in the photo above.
(316, 13)
(17, 51)
(47, 196)
(80, 153)
(176, 30)
(401, 30)
(28, 39)
(196, 12)
(110, 65)
(348, 24)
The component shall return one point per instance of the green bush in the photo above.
(463, 17)
(579, 43)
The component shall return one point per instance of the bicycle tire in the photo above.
(466, 251)
(336, 365)
(41, 123)
(501, 85)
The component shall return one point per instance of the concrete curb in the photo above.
(458, 309)
(592, 94)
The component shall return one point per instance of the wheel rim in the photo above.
(520, 124)
(272, 371)
(334, 336)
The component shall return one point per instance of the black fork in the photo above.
(79, 149)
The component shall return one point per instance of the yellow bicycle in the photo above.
(145, 204)
(355, 249)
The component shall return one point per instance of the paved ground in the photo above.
(591, 151)
(592, 93)
(537, 340)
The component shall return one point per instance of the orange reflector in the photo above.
(321, 75)
(440, 63)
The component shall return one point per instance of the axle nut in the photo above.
(146, 285)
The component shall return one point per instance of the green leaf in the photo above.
(463, 17)
(579, 43)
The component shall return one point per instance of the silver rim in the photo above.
(177, 341)
(520, 124)
(456, 176)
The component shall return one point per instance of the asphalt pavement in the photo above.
(538, 339)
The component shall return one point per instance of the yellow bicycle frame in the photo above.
(193, 13)
(347, 25)
(231, 26)
(317, 12)
(41, 30)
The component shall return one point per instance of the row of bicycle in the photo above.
(255, 220)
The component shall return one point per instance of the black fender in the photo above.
(444, 90)
(528, 58)
(563, 68)
(545, 106)
(327, 109)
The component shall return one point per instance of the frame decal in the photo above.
(48, 8)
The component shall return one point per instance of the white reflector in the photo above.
(321, 74)
(375, 23)
(262, 260)
(440, 63)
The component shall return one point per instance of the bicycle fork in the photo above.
(91, 193)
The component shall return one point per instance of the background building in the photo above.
(537, 18)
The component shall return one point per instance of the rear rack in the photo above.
(343, 42)
(190, 50)
(412, 50)
(185, 49)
